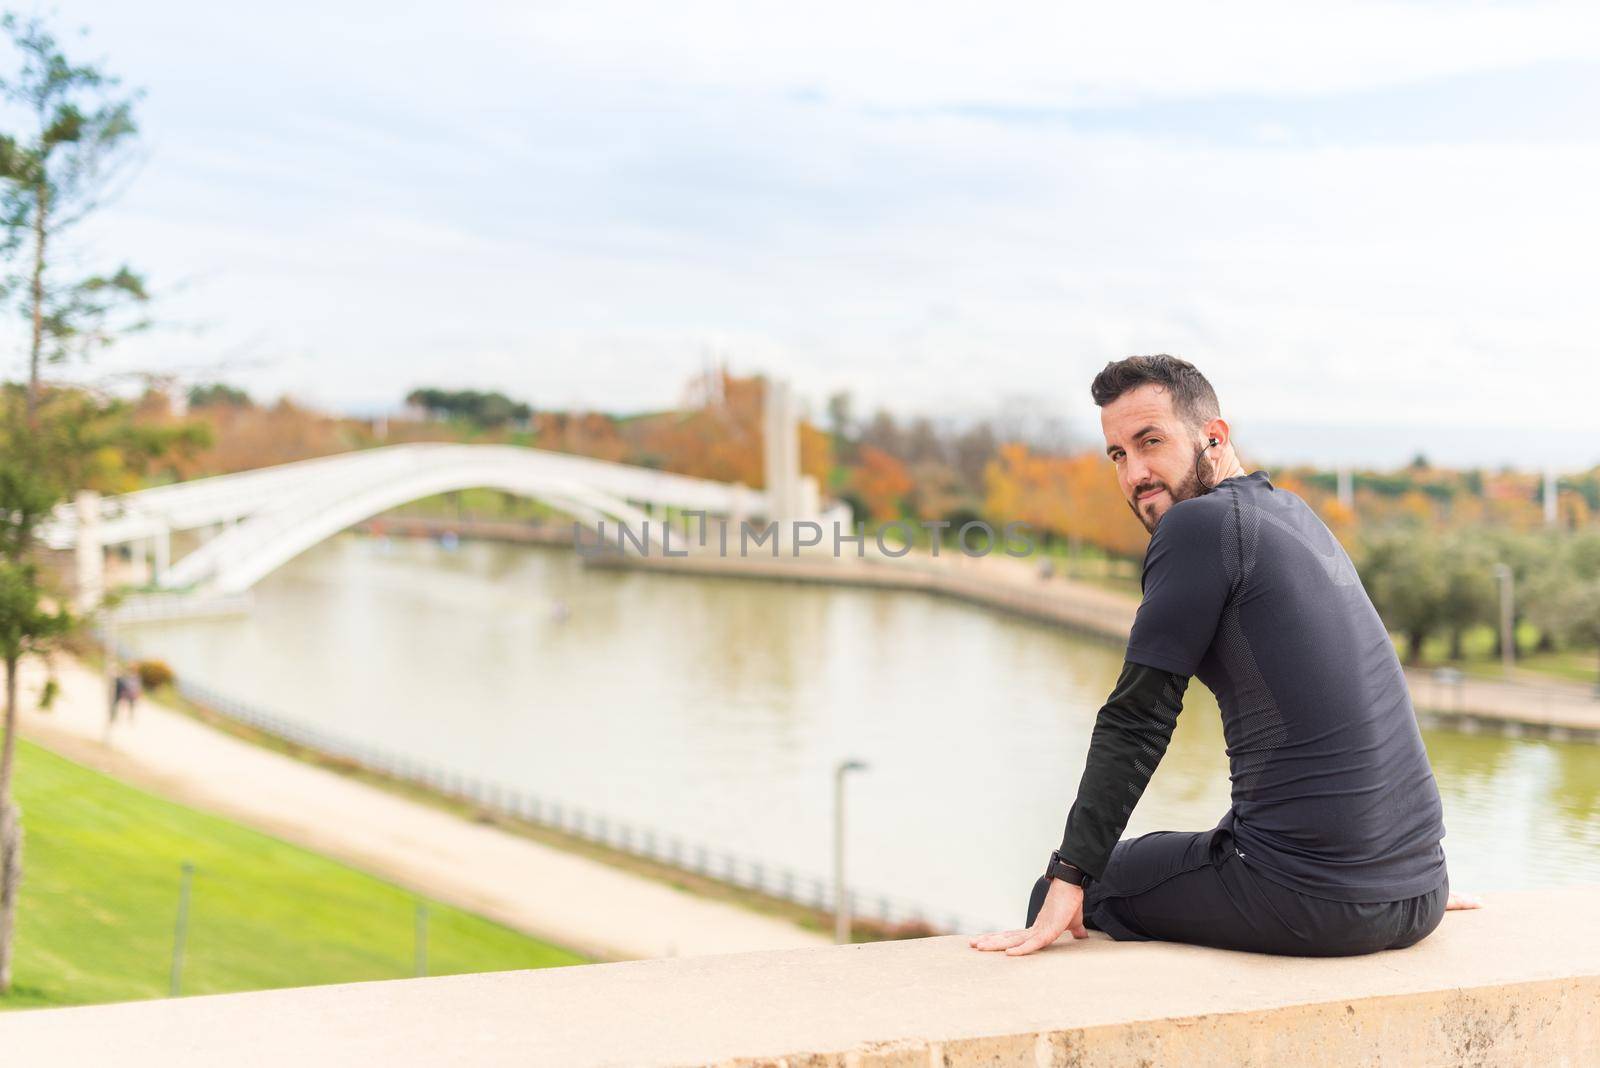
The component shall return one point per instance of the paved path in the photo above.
(558, 896)
(1558, 708)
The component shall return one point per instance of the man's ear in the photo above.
(1217, 428)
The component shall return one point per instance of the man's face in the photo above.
(1154, 452)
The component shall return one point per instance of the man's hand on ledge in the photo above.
(1462, 901)
(1062, 911)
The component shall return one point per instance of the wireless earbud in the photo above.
(1198, 453)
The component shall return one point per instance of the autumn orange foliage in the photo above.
(247, 437)
(882, 482)
(1070, 497)
(718, 435)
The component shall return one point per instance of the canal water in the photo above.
(716, 709)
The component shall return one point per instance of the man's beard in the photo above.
(1191, 486)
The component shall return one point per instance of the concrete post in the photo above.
(735, 520)
(139, 561)
(781, 452)
(91, 561)
(161, 550)
(808, 500)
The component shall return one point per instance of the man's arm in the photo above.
(1186, 585)
(1130, 737)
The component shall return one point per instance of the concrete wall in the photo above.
(1514, 983)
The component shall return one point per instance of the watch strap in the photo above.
(1063, 869)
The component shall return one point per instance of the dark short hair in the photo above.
(1193, 399)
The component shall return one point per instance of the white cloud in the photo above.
(575, 204)
(907, 53)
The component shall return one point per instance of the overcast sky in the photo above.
(1374, 222)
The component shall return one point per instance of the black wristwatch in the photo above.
(1065, 870)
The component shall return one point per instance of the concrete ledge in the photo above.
(1516, 982)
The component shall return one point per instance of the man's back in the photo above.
(1333, 795)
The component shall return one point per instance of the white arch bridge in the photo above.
(253, 522)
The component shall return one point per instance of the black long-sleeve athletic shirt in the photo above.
(1130, 736)
(1247, 590)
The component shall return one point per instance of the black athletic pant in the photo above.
(1192, 886)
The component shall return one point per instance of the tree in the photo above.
(1403, 574)
(971, 452)
(67, 440)
(1469, 595)
(53, 177)
(1536, 562)
(883, 434)
(1573, 613)
(882, 482)
(481, 409)
(218, 394)
(1072, 497)
(1567, 603)
(26, 626)
(53, 442)
(722, 438)
(1579, 618)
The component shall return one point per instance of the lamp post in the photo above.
(1508, 647)
(841, 903)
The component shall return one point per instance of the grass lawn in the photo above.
(1581, 665)
(99, 901)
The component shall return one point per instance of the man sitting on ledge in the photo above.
(1331, 846)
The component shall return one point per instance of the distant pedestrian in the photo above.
(125, 690)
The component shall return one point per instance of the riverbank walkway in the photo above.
(566, 899)
(1516, 982)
